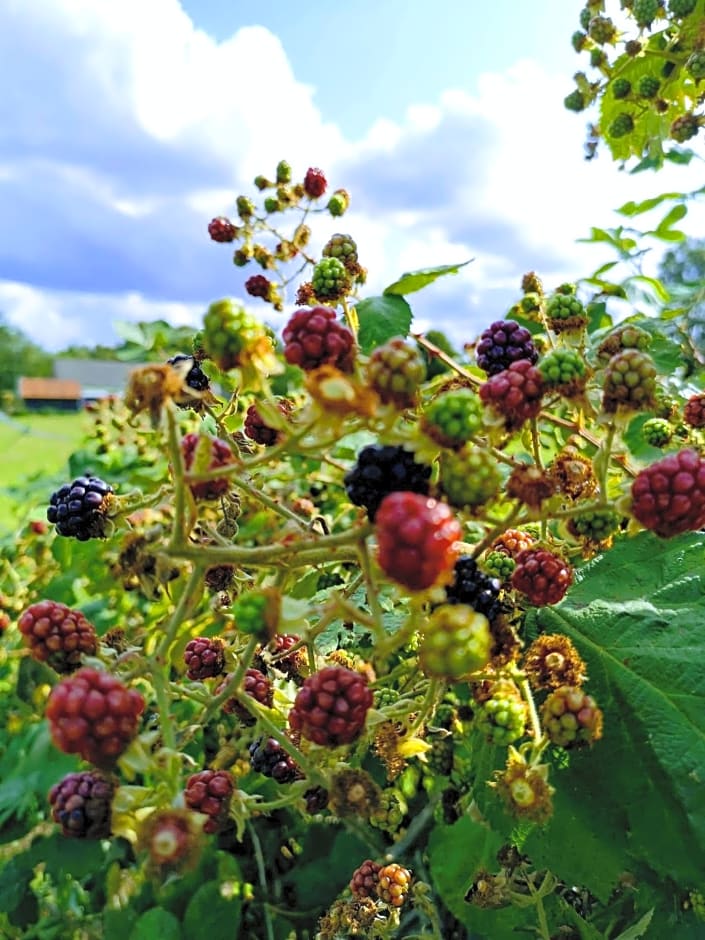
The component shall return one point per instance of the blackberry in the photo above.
(81, 803)
(395, 371)
(696, 65)
(339, 203)
(501, 344)
(57, 635)
(621, 88)
(269, 758)
(383, 469)
(565, 312)
(257, 429)
(629, 382)
(602, 30)
(668, 496)
(622, 125)
(79, 509)
(315, 183)
(541, 576)
(283, 172)
(685, 127)
(221, 229)
(393, 884)
(596, 525)
(456, 642)
(259, 286)
(210, 792)
(232, 337)
(694, 411)
(564, 370)
(585, 17)
(453, 418)
(571, 718)
(245, 207)
(331, 707)
(502, 716)
(204, 658)
(644, 12)
(575, 101)
(475, 588)
(470, 477)
(364, 880)
(626, 337)
(681, 7)
(314, 337)
(202, 453)
(514, 395)
(343, 248)
(331, 280)
(498, 565)
(648, 86)
(658, 432)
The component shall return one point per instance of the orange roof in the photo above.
(56, 389)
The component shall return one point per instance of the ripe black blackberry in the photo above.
(80, 804)
(269, 758)
(475, 588)
(381, 470)
(502, 343)
(79, 509)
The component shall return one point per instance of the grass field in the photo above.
(32, 445)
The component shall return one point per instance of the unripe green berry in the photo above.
(685, 127)
(272, 204)
(571, 718)
(621, 88)
(602, 30)
(499, 565)
(395, 371)
(648, 86)
(629, 382)
(469, 477)
(696, 65)
(563, 369)
(454, 417)
(575, 101)
(456, 642)
(245, 208)
(596, 525)
(658, 432)
(681, 8)
(390, 811)
(644, 12)
(283, 172)
(578, 40)
(622, 125)
(330, 280)
(502, 717)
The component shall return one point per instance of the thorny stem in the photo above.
(262, 875)
(609, 440)
(177, 463)
(241, 484)
(188, 600)
(233, 683)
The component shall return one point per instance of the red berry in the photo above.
(416, 539)
(668, 497)
(204, 658)
(331, 706)
(694, 411)
(218, 454)
(514, 393)
(57, 635)
(541, 576)
(221, 229)
(259, 286)
(257, 429)
(38, 527)
(363, 883)
(256, 685)
(209, 792)
(315, 182)
(315, 337)
(81, 804)
(393, 885)
(91, 713)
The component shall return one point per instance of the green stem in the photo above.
(609, 440)
(177, 463)
(508, 520)
(372, 590)
(188, 600)
(536, 731)
(432, 693)
(536, 443)
(262, 875)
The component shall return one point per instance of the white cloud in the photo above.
(125, 129)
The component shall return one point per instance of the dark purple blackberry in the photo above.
(316, 800)
(268, 757)
(81, 804)
(78, 509)
(381, 470)
(475, 588)
(195, 377)
(502, 343)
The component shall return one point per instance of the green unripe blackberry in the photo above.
(502, 716)
(598, 58)
(622, 125)
(626, 337)
(241, 257)
(230, 335)
(685, 127)
(602, 30)
(245, 208)
(499, 565)
(658, 432)
(571, 718)
(343, 248)
(249, 611)
(564, 311)
(696, 65)
(283, 172)
(330, 280)
(272, 204)
(456, 642)
(578, 40)
(469, 477)
(629, 382)
(621, 88)
(454, 417)
(596, 525)
(390, 811)
(575, 101)
(681, 7)
(585, 17)
(440, 759)
(339, 203)
(385, 697)
(564, 370)
(648, 86)
(395, 371)
(644, 12)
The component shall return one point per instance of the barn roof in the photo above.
(54, 389)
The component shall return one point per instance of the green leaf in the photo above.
(632, 208)
(637, 930)
(674, 215)
(417, 280)
(211, 916)
(158, 924)
(130, 332)
(636, 616)
(382, 318)
(655, 286)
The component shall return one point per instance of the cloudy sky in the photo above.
(126, 125)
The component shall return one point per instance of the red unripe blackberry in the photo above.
(395, 371)
(259, 286)
(571, 718)
(363, 883)
(269, 758)
(256, 685)
(502, 343)
(204, 657)
(331, 706)
(214, 453)
(416, 539)
(257, 429)
(80, 804)
(91, 713)
(668, 497)
(315, 337)
(209, 792)
(381, 470)
(393, 885)
(79, 509)
(315, 183)
(542, 577)
(515, 393)
(694, 411)
(221, 229)
(57, 635)
(512, 541)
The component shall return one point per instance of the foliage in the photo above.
(20, 356)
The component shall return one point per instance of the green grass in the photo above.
(32, 446)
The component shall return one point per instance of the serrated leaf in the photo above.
(636, 615)
(380, 319)
(157, 923)
(416, 280)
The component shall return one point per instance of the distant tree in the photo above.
(89, 352)
(19, 355)
(682, 271)
(434, 365)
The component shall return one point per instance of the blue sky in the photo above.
(126, 125)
